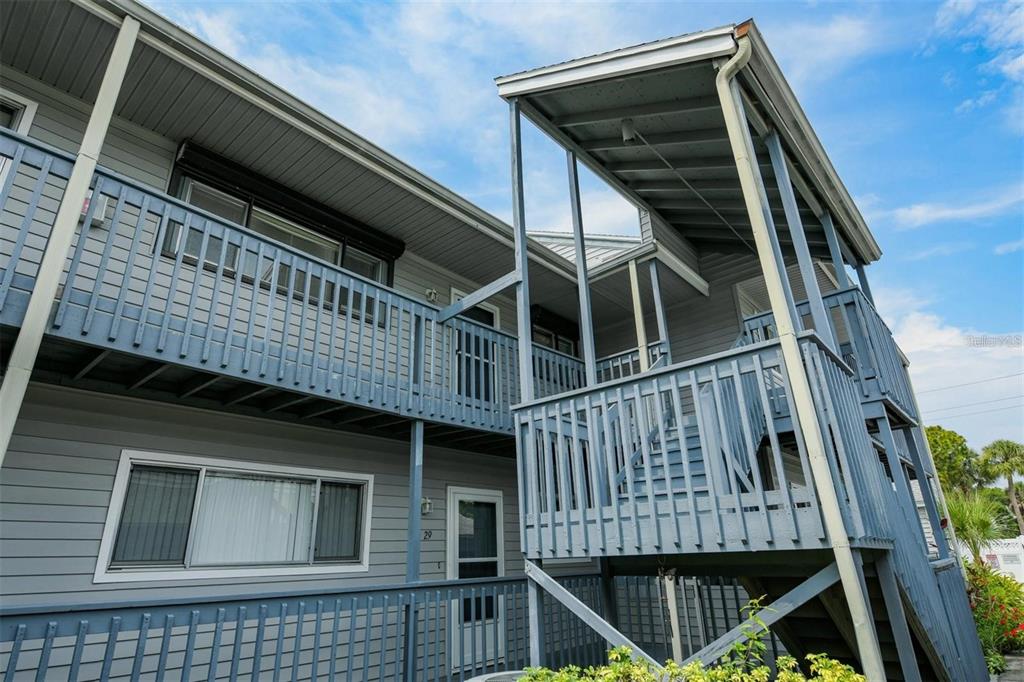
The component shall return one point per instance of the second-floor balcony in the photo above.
(153, 277)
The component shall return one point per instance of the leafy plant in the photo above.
(1005, 458)
(997, 602)
(743, 662)
(978, 520)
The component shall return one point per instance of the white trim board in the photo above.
(104, 574)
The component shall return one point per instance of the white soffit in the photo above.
(692, 47)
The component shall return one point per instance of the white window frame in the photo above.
(28, 109)
(105, 574)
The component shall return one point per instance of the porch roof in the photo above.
(685, 174)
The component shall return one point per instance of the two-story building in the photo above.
(275, 403)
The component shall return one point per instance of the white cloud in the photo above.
(943, 355)
(813, 53)
(948, 249)
(995, 29)
(979, 102)
(919, 215)
(1009, 247)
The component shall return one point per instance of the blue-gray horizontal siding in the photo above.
(59, 473)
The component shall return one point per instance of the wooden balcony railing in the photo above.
(451, 630)
(866, 344)
(699, 456)
(152, 276)
(873, 510)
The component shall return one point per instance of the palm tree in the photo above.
(1005, 458)
(977, 520)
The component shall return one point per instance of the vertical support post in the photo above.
(37, 313)
(535, 613)
(659, 311)
(638, 318)
(897, 618)
(412, 556)
(796, 230)
(521, 257)
(582, 278)
(833, 249)
(930, 504)
(673, 618)
(534, 593)
(862, 278)
(609, 599)
(414, 536)
(753, 195)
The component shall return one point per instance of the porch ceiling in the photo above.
(65, 46)
(667, 90)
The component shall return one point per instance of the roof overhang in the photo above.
(666, 88)
(168, 38)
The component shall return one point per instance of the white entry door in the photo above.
(476, 549)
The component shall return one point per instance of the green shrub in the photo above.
(744, 662)
(997, 602)
(623, 668)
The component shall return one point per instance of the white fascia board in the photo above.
(670, 52)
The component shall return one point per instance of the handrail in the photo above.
(878, 360)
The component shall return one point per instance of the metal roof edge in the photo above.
(803, 137)
(690, 47)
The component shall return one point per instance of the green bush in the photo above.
(997, 602)
(744, 662)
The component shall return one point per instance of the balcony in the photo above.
(865, 342)
(156, 279)
(697, 457)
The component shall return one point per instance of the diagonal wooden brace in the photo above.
(479, 296)
(771, 614)
(584, 612)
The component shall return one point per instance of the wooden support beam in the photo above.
(584, 612)
(198, 383)
(683, 164)
(320, 410)
(796, 232)
(675, 138)
(675, 186)
(674, 106)
(413, 534)
(243, 393)
(149, 372)
(93, 361)
(582, 280)
(897, 618)
(479, 296)
(285, 401)
(521, 249)
(638, 317)
(779, 609)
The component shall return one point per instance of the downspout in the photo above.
(853, 587)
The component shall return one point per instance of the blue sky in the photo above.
(920, 106)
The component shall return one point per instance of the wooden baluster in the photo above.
(128, 266)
